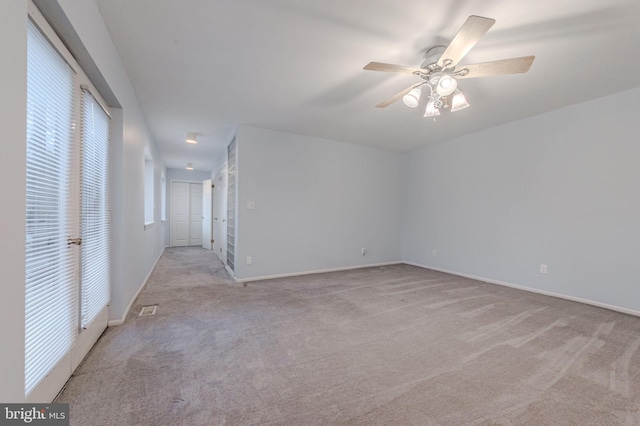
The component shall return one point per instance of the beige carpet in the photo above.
(395, 345)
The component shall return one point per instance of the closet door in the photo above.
(179, 214)
(186, 214)
(195, 214)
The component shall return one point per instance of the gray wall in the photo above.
(135, 250)
(559, 189)
(318, 202)
(13, 117)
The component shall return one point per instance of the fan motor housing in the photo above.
(431, 56)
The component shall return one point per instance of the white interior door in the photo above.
(195, 214)
(179, 214)
(186, 214)
(207, 215)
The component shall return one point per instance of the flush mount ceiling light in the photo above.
(440, 71)
(192, 137)
(189, 166)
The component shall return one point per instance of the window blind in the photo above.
(95, 227)
(51, 312)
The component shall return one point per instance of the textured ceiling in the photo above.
(209, 65)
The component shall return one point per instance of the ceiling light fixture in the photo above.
(192, 137)
(189, 166)
(412, 99)
(459, 101)
(443, 83)
(440, 70)
(433, 110)
(447, 85)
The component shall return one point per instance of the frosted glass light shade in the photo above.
(431, 110)
(412, 99)
(446, 85)
(459, 101)
(443, 83)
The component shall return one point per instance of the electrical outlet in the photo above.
(543, 268)
(364, 251)
(249, 260)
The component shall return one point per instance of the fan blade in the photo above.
(471, 31)
(501, 67)
(398, 96)
(379, 66)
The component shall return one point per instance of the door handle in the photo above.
(215, 218)
(76, 241)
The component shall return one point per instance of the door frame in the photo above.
(221, 251)
(211, 237)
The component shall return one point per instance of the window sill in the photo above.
(148, 225)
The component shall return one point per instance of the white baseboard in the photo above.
(233, 275)
(319, 271)
(120, 321)
(532, 290)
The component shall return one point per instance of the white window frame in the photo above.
(163, 197)
(149, 191)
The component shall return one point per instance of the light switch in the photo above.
(251, 205)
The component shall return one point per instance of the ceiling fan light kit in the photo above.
(441, 76)
(458, 101)
(412, 99)
(432, 110)
(443, 82)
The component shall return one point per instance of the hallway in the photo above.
(137, 370)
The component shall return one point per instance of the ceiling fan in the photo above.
(441, 76)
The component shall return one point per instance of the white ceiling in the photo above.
(296, 65)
